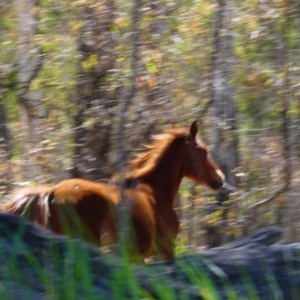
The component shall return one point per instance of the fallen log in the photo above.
(38, 264)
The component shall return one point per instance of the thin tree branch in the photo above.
(269, 200)
(130, 94)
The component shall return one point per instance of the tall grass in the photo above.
(66, 271)
(65, 268)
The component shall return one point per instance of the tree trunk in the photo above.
(5, 154)
(4, 136)
(29, 64)
(281, 64)
(225, 137)
(224, 134)
(94, 119)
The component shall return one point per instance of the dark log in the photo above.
(35, 262)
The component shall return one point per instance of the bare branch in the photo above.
(269, 200)
(130, 94)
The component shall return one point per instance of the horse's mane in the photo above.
(147, 161)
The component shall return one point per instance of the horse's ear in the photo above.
(194, 129)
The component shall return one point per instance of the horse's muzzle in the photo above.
(218, 181)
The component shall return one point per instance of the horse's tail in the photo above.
(31, 202)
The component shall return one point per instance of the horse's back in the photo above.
(76, 190)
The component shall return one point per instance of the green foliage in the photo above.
(183, 50)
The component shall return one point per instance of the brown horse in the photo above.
(149, 192)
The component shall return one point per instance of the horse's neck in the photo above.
(164, 182)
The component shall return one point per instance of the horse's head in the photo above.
(199, 165)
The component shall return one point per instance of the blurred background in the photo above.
(84, 84)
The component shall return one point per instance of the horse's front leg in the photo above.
(167, 231)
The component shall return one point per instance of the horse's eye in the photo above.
(201, 148)
(205, 151)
